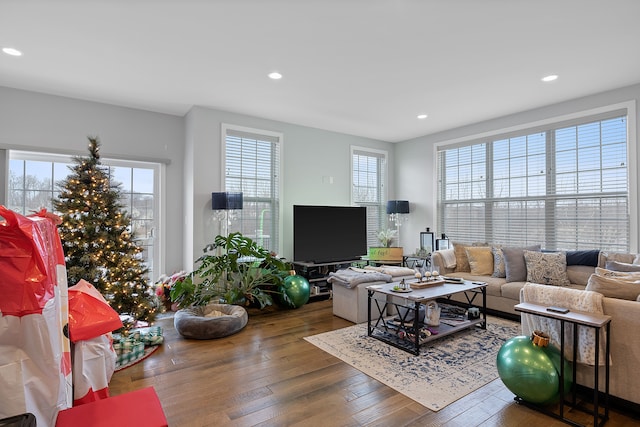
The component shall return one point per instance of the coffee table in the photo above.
(404, 331)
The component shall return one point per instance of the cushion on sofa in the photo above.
(579, 274)
(621, 266)
(589, 257)
(615, 256)
(498, 262)
(515, 267)
(480, 260)
(614, 287)
(462, 260)
(546, 268)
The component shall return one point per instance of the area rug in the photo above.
(446, 369)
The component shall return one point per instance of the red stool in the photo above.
(140, 408)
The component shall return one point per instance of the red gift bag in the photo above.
(35, 362)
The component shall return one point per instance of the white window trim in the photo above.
(385, 154)
(632, 154)
(223, 155)
(159, 167)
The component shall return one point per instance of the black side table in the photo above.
(575, 318)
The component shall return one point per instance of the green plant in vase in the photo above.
(243, 273)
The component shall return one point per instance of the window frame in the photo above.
(382, 184)
(556, 123)
(158, 167)
(272, 136)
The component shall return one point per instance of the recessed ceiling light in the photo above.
(11, 51)
(275, 75)
(550, 78)
(422, 116)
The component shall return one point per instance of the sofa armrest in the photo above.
(438, 261)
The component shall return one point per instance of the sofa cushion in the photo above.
(621, 266)
(480, 260)
(511, 290)
(515, 267)
(579, 274)
(615, 256)
(546, 268)
(462, 261)
(589, 257)
(493, 283)
(498, 262)
(614, 287)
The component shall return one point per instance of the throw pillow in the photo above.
(462, 260)
(480, 260)
(498, 262)
(621, 266)
(627, 276)
(583, 257)
(547, 268)
(514, 264)
(615, 256)
(613, 287)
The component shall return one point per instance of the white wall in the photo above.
(309, 156)
(34, 121)
(415, 162)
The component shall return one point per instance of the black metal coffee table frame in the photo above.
(405, 333)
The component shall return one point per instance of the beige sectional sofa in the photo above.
(621, 301)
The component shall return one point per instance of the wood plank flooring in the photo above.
(267, 375)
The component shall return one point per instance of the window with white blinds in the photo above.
(564, 187)
(368, 183)
(252, 166)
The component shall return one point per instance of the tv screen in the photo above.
(324, 234)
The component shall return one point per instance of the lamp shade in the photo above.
(226, 201)
(397, 207)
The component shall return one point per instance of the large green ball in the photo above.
(532, 372)
(297, 290)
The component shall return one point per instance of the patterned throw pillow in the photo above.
(499, 269)
(514, 265)
(480, 260)
(547, 268)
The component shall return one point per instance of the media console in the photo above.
(318, 273)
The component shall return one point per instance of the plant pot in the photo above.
(385, 254)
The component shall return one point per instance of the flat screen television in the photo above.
(323, 234)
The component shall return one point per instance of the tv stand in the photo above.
(318, 273)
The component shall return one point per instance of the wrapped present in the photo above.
(35, 359)
(131, 347)
(94, 362)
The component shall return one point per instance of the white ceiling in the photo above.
(362, 67)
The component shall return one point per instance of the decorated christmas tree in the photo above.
(97, 240)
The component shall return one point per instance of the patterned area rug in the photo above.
(446, 369)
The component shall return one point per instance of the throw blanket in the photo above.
(350, 277)
(391, 270)
(449, 258)
(572, 299)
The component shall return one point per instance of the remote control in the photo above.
(561, 310)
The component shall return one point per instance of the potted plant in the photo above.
(242, 273)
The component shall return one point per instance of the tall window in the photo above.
(565, 187)
(368, 184)
(32, 185)
(252, 166)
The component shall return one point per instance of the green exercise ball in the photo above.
(532, 372)
(297, 290)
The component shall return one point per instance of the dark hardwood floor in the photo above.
(267, 375)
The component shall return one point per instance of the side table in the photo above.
(575, 318)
